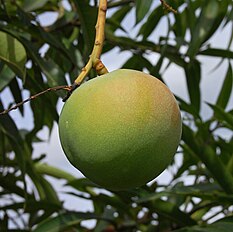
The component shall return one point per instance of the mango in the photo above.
(121, 129)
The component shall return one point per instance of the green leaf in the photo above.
(142, 8)
(64, 221)
(114, 22)
(229, 17)
(44, 105)
(46, 169)
(29, 5)
(44, 188)
(35, 206)
(169, 210)
(208, 156)
(215, 227)
(137, 62)
(193, 78)
(226, 219)
(205, 192)
(8, 182)
(52, 71)
(205, 26)
(222, 115)
(57, 45)
(190, 14)
(189, 108)
(12, 52)
(87, 15)
(180, 25)
(82, 184)
(150, 25)
(18, 145)
(226, 89)
(217, 53)
(16, 92)
(6, 76)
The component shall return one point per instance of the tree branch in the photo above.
(168, 7)
(64, 87)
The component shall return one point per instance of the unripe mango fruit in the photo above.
(121, 129)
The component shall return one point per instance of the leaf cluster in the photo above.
(34, 57)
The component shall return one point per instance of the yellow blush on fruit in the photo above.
(121, 129)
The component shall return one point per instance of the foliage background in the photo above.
(34, 57)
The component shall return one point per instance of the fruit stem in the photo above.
(94, 60)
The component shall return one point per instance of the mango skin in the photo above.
(121, 130)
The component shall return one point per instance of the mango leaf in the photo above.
(226, 89)
(215, 227)
(114, 22)
(190, 14)
(222, 13)
(180, 25)
(169, 210)
(142, 8)
(16, 92)
(230, 165)
(64, 221)
(216, 52)
(208, 156)
(8, 182)
(189, 108)
(150, 25)
(193, 78)
(44, 188)
(44, 105)
(29, 5)
(189, 159)
(13, 53)
(54, 42)
(52, 71)
(18, 145)
(225, 219)
(87, 15)
(205, 24)
(46, 169)
(34, 206)
(82, 184)
(7, 75)
(222, 115)
(229, 17)
(137, 62)
(173, 55)
(203, 191)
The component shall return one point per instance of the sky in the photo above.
(174, 78)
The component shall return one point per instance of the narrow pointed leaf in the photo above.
(211, 160)
(6, 76)
(193, 78)
(226, 89)
(150, 25)
(12, 52)
(87, 15)
(222, 115)
(216, 52)
(29, 5)
(64, 221)
(16, 92)
(142, 8)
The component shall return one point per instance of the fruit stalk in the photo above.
(94, 60)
